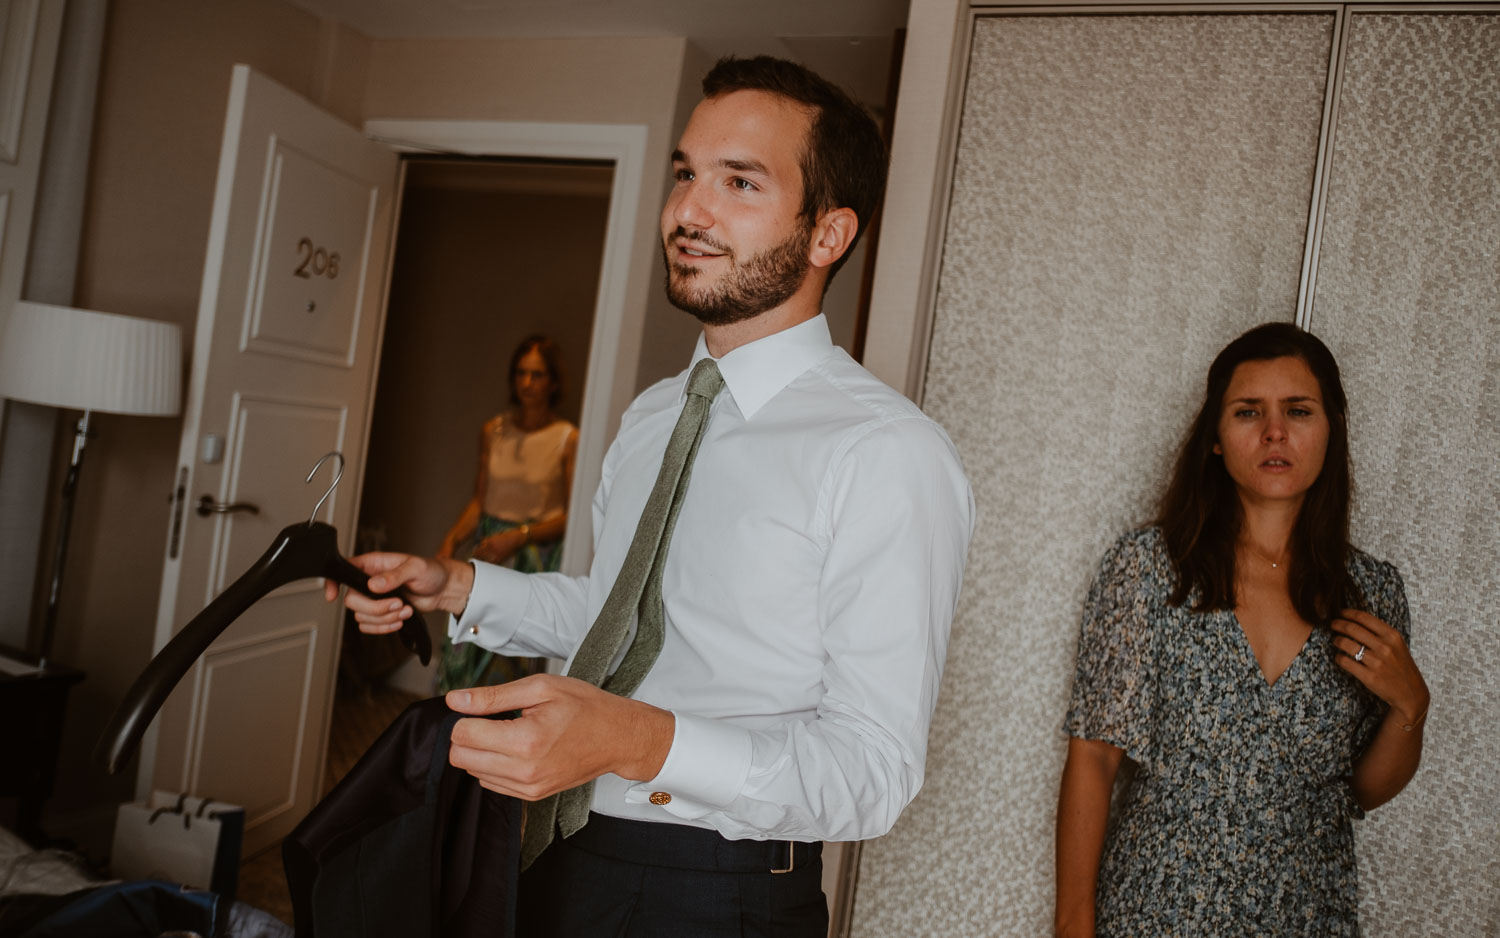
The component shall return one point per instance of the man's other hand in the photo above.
(568, 732)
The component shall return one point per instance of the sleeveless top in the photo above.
(527, 476)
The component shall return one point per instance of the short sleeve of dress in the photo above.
(1384, 595)
(1114, 686)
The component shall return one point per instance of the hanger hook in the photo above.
(337, 475)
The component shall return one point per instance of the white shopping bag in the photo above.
(193, 841)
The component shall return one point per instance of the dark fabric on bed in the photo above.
(406, 845)
(131, 909)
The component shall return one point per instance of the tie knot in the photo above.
(705, 381)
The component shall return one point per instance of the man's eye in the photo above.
(683, 175)
(743, 185)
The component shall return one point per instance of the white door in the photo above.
(29, 31)
(282, 372)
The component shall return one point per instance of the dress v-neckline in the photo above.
(1249, 650)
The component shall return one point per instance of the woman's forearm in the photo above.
(502, 545)
(1082, 818)
(548, 529)
(1390, 761)
(462, 528)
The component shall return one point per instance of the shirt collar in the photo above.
(756, 372)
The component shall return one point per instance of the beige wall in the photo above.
(163, 88)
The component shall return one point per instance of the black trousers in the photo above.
(636, 879)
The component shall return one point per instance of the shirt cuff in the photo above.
(705, 770)
(497, 603)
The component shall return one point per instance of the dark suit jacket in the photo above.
(406, 845)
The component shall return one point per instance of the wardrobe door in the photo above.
(1130, 192)
(1408, 296)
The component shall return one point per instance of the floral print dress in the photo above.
(1237, 820)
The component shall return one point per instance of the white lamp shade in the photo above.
(79, 359)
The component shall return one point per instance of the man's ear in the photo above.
(832, 234)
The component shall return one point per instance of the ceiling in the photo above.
(847, 41)
(535, 19)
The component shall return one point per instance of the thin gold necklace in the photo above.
(1275, 564)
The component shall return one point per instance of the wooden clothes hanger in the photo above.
(300, 551)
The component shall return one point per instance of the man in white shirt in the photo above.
(809, 585)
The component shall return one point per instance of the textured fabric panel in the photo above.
(1130, 193)
(1408, 298)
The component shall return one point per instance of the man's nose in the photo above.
(691, 209)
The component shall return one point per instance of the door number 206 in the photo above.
(316, 261)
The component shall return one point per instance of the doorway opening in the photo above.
(489, 250)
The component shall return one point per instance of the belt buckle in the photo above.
(791, 857)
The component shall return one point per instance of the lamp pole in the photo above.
(64, 525)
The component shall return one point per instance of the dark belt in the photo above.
(676, 846)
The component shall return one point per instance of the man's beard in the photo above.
(764, 282)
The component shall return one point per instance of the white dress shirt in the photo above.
(809, 588)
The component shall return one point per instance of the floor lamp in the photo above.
(94, 362)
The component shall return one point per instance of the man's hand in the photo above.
(434, 583)
(569, 732)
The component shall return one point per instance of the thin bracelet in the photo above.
(1408, 727)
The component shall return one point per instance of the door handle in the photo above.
(207, 506)
(178, 498)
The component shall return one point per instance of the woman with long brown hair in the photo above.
(1250, 665)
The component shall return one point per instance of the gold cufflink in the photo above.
(660, 797)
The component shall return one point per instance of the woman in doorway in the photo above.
(520, 506)
(1252, 667)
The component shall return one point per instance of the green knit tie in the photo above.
(635, 595)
